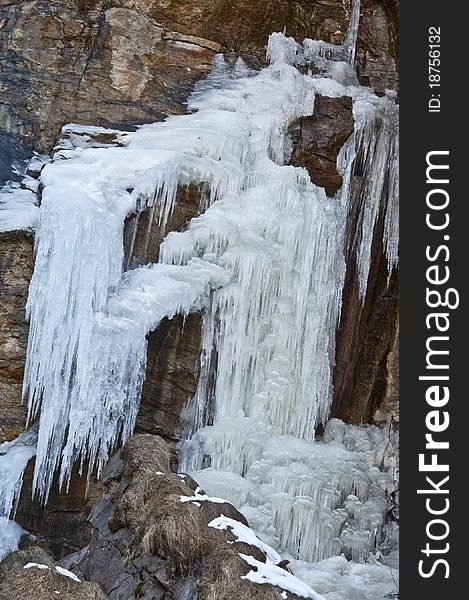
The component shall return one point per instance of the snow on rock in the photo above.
(268, 573)
(18, 209)
(60, 570)
(18, 198)
(200, 496)
(245, 534)
(33, 565)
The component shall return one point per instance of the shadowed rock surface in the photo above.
(61, 527)
(16, 267)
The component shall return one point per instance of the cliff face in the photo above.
(127, 62)
(16, 266)
(133, 61)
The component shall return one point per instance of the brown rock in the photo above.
(366, 372)
(317, 140)
(16, 264)
(171, 376)
(132, 62)
(61, 526)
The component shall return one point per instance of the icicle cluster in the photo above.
(87, 344)
(376, 149)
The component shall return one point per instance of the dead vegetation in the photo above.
(18, 583)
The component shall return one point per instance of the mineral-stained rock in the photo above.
(41, 580)
(61, 526)
(317, 140)
(366, 374)
(148, 544)
(171, 375)
(16, 265)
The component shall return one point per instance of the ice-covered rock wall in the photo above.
(266, 263)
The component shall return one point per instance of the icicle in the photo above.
(350, 42)
(314, 499)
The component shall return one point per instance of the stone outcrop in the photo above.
(317, 140)
(16, 266)
(171, 376)
(127, 62)
(134, 61)
(41, 580)
(366, 374)
(148, 544)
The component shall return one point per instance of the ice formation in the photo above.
(265, 261)
(10, 536)
(314, 500)
(14, 457)
(18, 197)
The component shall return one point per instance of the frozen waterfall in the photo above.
(265, 262)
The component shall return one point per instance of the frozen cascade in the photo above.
(78, 307)
(266, 260)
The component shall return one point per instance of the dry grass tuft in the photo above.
(177, 531)
(17, 583)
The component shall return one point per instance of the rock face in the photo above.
(16, 266)
(171, 376)
(128, 62)
(148, 544)
(61, 527)
(42, 582)
(366, 374)
(378, 44)
(317, 140)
